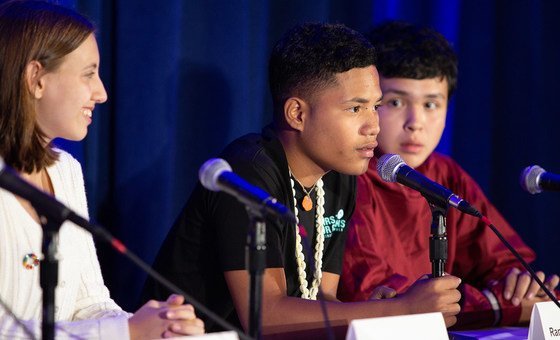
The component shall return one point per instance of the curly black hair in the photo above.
(410, 51)
(307, 58)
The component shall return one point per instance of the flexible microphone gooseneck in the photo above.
(12, 182)
(392, 168)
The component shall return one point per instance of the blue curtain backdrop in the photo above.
(186, 77)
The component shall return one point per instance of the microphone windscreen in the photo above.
(387, 166)
(529, 179)
(210, 171)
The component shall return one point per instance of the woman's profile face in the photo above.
(67, 96)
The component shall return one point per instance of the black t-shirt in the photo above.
(210, 234)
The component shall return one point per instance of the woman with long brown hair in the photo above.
(49, 87)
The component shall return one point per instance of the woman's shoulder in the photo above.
(67, 172)
(66, 160)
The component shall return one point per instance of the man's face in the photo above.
(341, 127)
(412, 117)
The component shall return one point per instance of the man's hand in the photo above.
(522, 290)
(157, 319)
(434, 295)
(518, 285)
(527, 308)
(383, 292)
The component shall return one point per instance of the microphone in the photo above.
(535, 179)
(392, 168)
(44, 203)
(50, 208)
(216, 175)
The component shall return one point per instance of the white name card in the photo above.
(429, 326)
(545, 322)
(231, 335)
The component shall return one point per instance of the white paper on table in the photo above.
(545, 321)
(231, 335)
(428, 326)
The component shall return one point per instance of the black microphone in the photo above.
(216, 175)
(44, 203)
(47, 206)
(392, 168)
(535, 179)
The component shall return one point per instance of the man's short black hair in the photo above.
(409, 51)
(308, 57)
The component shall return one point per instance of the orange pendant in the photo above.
(307, 203)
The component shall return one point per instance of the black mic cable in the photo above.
(57, 211)
(103, 234)
(121, 248)
(487, 222)
(389, 167)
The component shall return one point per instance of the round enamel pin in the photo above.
(30, 261)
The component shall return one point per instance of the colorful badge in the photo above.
(30, 261)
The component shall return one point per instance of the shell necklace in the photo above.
(307, 292)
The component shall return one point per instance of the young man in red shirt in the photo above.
(388, 238)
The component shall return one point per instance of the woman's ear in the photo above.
(34, 79)
(295, 111)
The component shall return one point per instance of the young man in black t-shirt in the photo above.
(325, 90)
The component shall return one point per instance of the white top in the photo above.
(84, 308)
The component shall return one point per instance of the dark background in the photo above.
(184, 78)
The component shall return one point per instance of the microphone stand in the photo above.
(103, 234)
(53, 213)
(48, 273)
(255, 259)
(438, 240)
